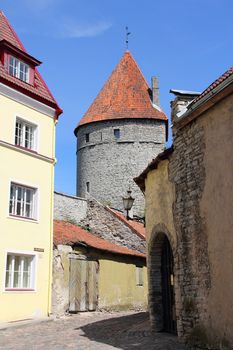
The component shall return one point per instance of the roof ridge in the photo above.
(127, 51)
(13, 31)
(122, 249)
(124, 95)
(216, 82)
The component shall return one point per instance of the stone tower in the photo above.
(121, 132)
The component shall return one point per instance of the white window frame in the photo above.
(21, 142)
(15, 203)
(18, 69)
(33, 271)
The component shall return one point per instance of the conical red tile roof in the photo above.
(39, 90)
(124, 95)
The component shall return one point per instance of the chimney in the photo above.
(180, 104)
(155, 91)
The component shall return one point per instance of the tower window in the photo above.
(117, 133)
(88, 187)
(87, 136)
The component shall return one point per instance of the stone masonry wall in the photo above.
(192, 271)
(69, 208)
(109, 164)
(104, 224)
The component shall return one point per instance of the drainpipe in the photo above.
(51, 223)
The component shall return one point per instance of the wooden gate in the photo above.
(83, 285)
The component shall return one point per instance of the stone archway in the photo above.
(161, 284)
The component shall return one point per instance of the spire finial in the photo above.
(127, 37)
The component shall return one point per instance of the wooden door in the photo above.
(83, 286)
(168, 295)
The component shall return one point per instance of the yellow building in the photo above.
(27, 138)
(91, 273)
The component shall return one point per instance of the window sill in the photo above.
(23, 81)
(22, 218)
(19, 290)
(26, 149)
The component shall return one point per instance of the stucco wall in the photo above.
(110, 164)
(20, 235)
(191, 197)
(117, 289)
(159, 194)
(216, 207)
(117, 285)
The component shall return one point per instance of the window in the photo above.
(22, 201)
(88, 187)
(20, 270)
(139, 276)
(117, 133)
(25, 134)
(87, 137)
(18, 69)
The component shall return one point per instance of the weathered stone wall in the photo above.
(187, 171)
(69, 208)
(110, 164)
(60, 285)
(190, 200)
(106, 225)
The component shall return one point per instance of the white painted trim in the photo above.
(28, 152)
(33, 124)
(21, 252)
(26, 100)
(37, 212)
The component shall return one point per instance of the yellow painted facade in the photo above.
(118, 285)
(21, 235)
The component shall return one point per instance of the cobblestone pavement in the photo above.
(89, 331)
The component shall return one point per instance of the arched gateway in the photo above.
(161, 284)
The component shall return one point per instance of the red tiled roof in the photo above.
(39, 90)
(124, 95)
(135, 226)
(66, 233)
(212, 86)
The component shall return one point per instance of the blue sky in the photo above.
(186, 43)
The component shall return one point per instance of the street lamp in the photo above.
(128, 203)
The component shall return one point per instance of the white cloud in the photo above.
(70, 29)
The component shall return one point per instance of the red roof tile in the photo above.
(69, 234)
(212, 86)
(39, 90)
(135, 226)
(124, 95)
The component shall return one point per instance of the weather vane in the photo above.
(127, 37)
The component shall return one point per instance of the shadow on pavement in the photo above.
(129, 332)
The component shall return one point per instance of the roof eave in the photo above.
(204, 103)
(125, 118)
(6, 45)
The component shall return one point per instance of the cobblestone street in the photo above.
(89, 331)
